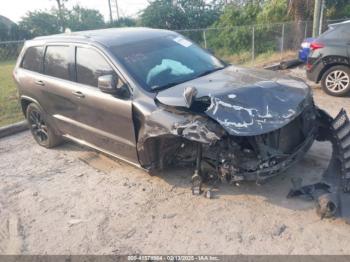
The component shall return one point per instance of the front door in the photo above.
(105, 120)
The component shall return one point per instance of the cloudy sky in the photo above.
(15, 9)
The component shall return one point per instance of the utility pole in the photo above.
(60, 14)
(117, 7)
(317, 15)
(321, 17)
(113, 9)
(110, 11)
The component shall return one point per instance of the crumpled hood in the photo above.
(245, 101)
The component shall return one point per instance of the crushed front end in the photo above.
(256, 158)
(245, 125)
(238, 158)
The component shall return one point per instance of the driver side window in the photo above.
(90, 65)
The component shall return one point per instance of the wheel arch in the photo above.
(331, 61)
(26, 101)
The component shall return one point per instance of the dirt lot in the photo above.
(74, 201)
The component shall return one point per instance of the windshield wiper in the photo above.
(210, 71)
(171, 84)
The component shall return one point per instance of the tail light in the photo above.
(316, 45)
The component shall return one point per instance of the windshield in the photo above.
(163, 62)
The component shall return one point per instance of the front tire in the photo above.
(42, 132)
(336, 81)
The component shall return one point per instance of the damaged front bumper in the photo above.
(332, 192)
(186, 139)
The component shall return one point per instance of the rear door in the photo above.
(347, 39)
(105, 120)
(30, 71)
(58, 86)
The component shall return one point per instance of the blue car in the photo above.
(305, 49)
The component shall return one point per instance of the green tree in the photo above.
(39, 23)
(274, 11)
(301, 10)
(80, 18)
(123, 22)
(233, 35)
(237, 15)
(163, 14)
(181, 14)
(337, 9)
(61, 13)
(200, 13)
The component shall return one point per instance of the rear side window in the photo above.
(57, 61)
(90, 65)
(33, 59)
(337, 33)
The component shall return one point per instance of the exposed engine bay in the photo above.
(255, 158)
(248, 133)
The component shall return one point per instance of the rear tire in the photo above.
(42, 132)
(336, 81)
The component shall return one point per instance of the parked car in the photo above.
(329, 60)
(305, 49)
(155, 99)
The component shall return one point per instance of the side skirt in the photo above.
(84, 143)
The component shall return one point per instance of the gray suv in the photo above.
(155, 99)
(329, 60)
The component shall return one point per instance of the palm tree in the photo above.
(300, 10)
(60, 5)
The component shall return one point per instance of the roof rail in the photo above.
(340, 23)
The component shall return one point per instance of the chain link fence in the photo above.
(255, 44)
(10, 111)
(252, 45)
(249, 44)
(9, 50)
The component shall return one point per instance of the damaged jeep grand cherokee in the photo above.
(155, 99)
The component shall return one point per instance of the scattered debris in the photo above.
(332, 193)
(208, 194)
(73, 222)
(283, 65)
(279, 230)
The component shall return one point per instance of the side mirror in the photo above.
(108, 84)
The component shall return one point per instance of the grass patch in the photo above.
(260, 60)
(10, 111)
(269, 58)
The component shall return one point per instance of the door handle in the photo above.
(78, 94)
(39, 83)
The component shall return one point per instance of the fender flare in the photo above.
(49, 119)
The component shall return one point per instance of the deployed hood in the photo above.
(244, 101)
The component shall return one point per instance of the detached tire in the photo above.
(43, 134)
(336, 81)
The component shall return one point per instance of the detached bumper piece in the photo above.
(332, 193)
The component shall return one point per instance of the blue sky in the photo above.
(15, 9)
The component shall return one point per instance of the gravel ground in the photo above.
(71, 200)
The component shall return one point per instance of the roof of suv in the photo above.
(109, 37)
(347, 22)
